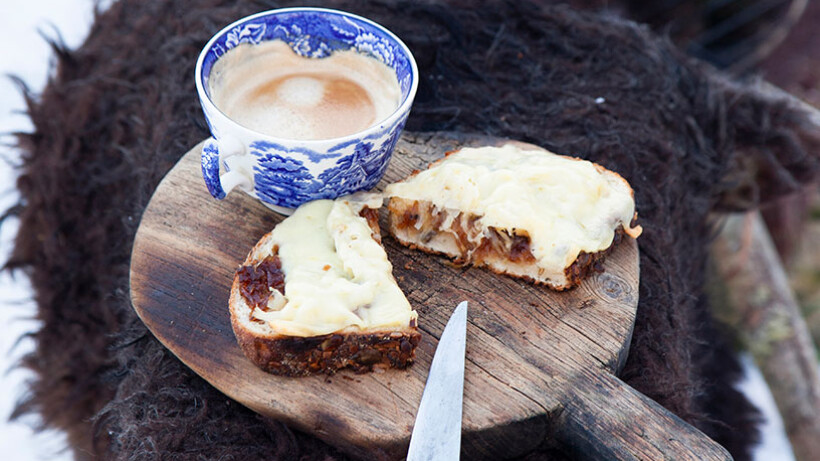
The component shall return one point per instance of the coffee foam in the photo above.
(270, 89)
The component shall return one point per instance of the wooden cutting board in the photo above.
(539, 364)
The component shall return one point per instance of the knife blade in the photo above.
(437, 430)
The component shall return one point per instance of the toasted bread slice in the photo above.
(524, 212)
(317, 294)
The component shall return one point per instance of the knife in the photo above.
(437, 430)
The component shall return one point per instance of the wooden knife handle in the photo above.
(604, 418)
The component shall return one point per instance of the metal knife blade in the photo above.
(437, 430)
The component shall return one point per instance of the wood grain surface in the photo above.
(539, 364)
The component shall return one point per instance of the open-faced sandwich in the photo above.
(317, 294)
(522, 211)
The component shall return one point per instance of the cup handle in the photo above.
(214, 153)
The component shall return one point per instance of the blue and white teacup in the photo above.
(284, 173)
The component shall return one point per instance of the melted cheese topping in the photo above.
(336, 274)
(565, 205)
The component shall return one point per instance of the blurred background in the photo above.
(775, 39)
(27, 56)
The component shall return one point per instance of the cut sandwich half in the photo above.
(521, 211)
(317, 294)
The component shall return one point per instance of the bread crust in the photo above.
(354, 348)
(443, 242)
(303, 356)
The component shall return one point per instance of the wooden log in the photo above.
(763, 310)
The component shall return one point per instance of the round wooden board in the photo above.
(538, 364)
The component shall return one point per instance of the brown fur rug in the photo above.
(122, 109)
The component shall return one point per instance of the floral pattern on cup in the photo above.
(283, 173)
(286, 178)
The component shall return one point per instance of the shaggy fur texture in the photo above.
(122, 109)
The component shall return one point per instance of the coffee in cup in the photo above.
(316, 121)
(271, 89)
